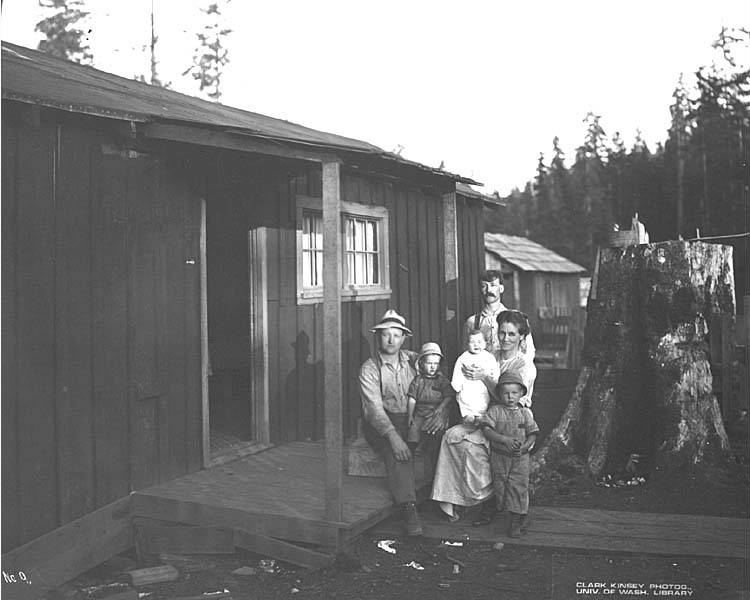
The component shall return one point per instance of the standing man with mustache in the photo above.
(492, 288)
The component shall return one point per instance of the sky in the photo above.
(481, 86)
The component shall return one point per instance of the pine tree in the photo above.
(64, 38)
(211, 56)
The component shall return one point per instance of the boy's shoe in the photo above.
(525, 523)
(515, 526)
(413, 526)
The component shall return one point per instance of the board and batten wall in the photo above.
(295, 331)
(100, 321)
(101, 348)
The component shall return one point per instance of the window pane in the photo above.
(359, 238)
(371, 238)
(318, 268)
(359, 268)
(350, 234)
(349, 272)
(372, 268)
(306, 282)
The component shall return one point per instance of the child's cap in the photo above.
(429, 348)
(512, 377)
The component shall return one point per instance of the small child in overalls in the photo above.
(429, 392)
(511, 431)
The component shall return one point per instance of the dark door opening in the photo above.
(230, 402)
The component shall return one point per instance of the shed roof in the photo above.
(526, 255)
(37, 78)
(466, 190)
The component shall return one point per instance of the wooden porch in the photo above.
(270, 502)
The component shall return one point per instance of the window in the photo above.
(360, 251)
(364, 247)
(547, 293)
(312, 249)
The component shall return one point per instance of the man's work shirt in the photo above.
(488, 327)
(383, 388)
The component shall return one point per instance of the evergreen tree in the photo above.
(64, 37)
(211, 56)
(560, 200)
(591, 210)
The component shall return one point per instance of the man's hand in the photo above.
(400, 450)
(437, 421)
(472, 372)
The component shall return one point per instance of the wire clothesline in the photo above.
(701, 238)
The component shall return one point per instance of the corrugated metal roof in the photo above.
(37, 78)
(526, 255)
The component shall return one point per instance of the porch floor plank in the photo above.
(281, 488)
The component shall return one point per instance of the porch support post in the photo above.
(452, 308)
(332, 340)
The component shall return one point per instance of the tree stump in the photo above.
(645, 386)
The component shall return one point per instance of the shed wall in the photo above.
(100, 320)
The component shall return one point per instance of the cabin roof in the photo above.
(33, 77)
(526, 255)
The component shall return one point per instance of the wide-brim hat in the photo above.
(512, 377)
(429, 348)
(392, 319)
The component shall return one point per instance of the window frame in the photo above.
(349, 292)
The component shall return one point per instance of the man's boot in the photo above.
(486, 514)
(515, 525)
(525, 523)
(413, 526)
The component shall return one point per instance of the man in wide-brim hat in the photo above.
(384, 381)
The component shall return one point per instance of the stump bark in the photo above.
(645, 385)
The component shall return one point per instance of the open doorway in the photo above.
(235, 401)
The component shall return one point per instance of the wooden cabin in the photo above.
(186, 283)
(544, 285)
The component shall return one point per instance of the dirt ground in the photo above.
(514, 572)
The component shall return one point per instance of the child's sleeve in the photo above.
(458, 377)
(414, 388)
(447, 390)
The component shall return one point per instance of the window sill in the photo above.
(347, 295)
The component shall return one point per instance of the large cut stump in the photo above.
(645, 386)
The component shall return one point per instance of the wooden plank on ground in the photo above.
(177, 538)
(269, 546)
(614, 531)
(74, 548)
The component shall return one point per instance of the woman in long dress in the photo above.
(462, 475)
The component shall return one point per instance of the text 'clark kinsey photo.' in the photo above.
(371, 301)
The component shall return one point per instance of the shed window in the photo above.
(364, 261)
(547, 293)
(312, 249)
